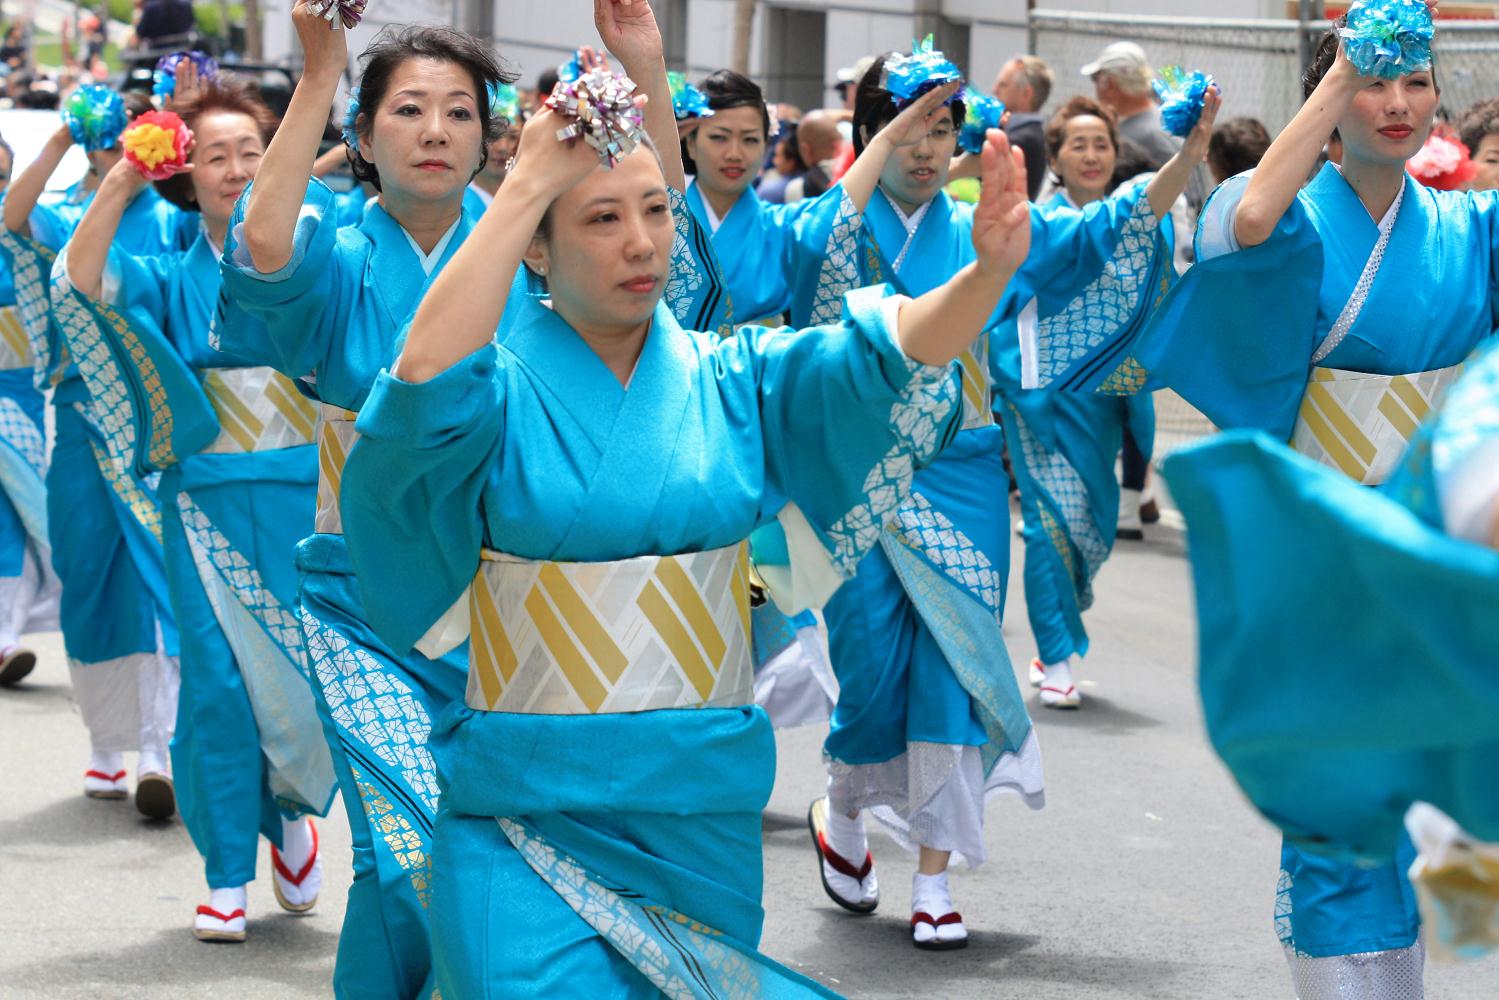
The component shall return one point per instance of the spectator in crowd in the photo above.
(15, 53)
(1121, 78)
(785, 166)
(820, 145)
(7, 163)
(1237, 145)
(1479, 130)
(159, 22)
(1024, 85)
(847, 84)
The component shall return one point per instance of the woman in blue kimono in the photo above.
(104, 520)
(1344, 361)
(323, 306)
(929, 720)
(237, 492)
(793, 679)
(28, 586)
(1063, 445)
(590, 481)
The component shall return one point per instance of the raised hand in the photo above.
(188, 83)
(629, 31)
(911, 125)
(552, 165)
(326, 48)
(1196, 146)
(1002, 219)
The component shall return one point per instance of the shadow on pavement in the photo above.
(78, 821)
(28, 696)
(1098, 713)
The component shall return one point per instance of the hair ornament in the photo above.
(164, 79)
(1182, 95)
(1388, 38)
(156, 144)
(96, 117)
(907, 77)
(572, 69)
(351, 116)
(504, 102)
(602, 112)
(1443, 162)
(981, 113)
(347, 13)
(687, 101)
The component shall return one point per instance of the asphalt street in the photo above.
(1147, 875)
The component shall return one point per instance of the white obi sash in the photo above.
(258, 409)
(335, 439)
(1361, 424)
(15, 345)
(575, 638)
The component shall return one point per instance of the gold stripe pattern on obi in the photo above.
(259, 410)
(335, 439)
(15, 345)
(559, 638)
(1359, 423)
(976, 385)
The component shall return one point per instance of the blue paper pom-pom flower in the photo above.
(686, 100)
(908, 77)
(1182, 95)
(981, 113)
(1388, 38)
(96, 117)
(351, 115)
(164, 80)
(504, 102)
(572, 69)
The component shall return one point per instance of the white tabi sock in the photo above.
(296, 842)
(1059, 675)
(847, 837)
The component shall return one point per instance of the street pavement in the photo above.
(1147, 875)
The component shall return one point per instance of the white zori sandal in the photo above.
(935, 925)
(297, 891)
(853, 887)
(223, 918)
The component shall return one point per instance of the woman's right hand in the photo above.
(326, 48)
(547, 164)
(911, 125)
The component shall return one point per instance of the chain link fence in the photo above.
(1258, 62)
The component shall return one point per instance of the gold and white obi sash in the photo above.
(335, 439)
(1361, 424)
(258, 410)
(560, 638)
(15, 345)
(977, 389)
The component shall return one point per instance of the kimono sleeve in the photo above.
(299, 307)
(1225, 342)
(847, 419)
(411, 492)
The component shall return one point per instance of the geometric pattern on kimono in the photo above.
(1360, 424)
(630, 635)
(258, 410)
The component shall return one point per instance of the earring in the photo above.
(542, 269)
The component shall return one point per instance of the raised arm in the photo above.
(937, 327)
(281, 182)
(1171, 180)
(907, 129)
(452, 321)
(88, 250)
(628, 30)
(26, 190)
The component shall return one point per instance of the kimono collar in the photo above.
(744, 203)
(429, 261)
(1331, 184)
(911, 223)
(400, 284)
(1389, 213)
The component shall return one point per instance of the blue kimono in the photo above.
(104, 522)
(1354, 299)
(929, 720)
(238, 483)
(331, 319)
(1063, 446)
(629, 839)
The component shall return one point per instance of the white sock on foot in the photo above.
(226, 901)
(153, 762)
(847, 837)
(1059, 675)
(106, 761)
(296, 842)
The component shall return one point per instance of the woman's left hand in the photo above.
(1196, 146)
(1002, 220)
(628, 29)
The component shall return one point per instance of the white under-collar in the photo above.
(429, 260)
(911, 222)
(713, 220)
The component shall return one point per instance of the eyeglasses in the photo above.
(942, 133)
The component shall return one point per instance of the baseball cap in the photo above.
(854, 73)
(1119, 57)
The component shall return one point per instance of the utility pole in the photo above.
(744, 28)
(254, 40)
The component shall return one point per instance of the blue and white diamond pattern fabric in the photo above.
(376, 709)
(685, 278)
(840, 273)
(1068, 494)
(112, 412)
(682, 958)
(924, 528)
(31, 273)
(22, 435)
(696, 292)
(918, 419)
(1095, 316)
